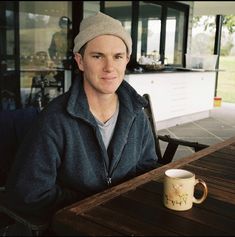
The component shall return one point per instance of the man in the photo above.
(92, 137)
(61, 42)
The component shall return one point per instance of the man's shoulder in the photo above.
(57, 105)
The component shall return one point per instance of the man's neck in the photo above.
(103, 106)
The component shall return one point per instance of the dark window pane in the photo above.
(120, 10)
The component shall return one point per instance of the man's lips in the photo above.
(109, 78)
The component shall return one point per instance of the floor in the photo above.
(218, 127)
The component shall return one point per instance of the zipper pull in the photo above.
(109, 181)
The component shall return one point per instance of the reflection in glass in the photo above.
(120, 10)
(9, 16)
(149, 28)
(10, 65)
(203, 38)
(45, 48)
(10, 33)
(9, 78)
(170, 40)
(61, 42)
(10, 40)
(174, 36)
(90, 8)
(44, 34)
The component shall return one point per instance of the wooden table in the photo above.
(135, 207)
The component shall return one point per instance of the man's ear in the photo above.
(128, 58)
(79, 61)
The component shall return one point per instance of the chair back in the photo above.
(13, 127)
(149, 113)
(172, 143)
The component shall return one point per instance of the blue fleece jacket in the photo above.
(62, 158)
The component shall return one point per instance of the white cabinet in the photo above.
(178, 94)
(202, 91)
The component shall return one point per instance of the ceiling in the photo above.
(214, 8)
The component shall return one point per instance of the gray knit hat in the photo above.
(101, 24)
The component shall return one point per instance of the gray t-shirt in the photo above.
(107, 128)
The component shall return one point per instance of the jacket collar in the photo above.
(78, 104)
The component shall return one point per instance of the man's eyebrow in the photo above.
(100, 53)
(120, 53)
(95, 52)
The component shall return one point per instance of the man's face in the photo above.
(103, 64)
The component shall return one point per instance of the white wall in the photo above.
(214, 8)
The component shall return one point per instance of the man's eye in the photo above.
(119, 57)
(96, 56)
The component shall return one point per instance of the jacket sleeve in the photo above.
(148, 158)
(31, 186)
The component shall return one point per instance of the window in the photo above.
(203, 35)
(159, 29)
(45, 49)
(174, 44)
(149, 29)
(90, 8)
(9, 50)
(120, 10)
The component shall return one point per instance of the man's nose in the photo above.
(108, 64)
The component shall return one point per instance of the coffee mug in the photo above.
(179, 187)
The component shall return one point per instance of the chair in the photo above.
(13, 127)
(172, 143)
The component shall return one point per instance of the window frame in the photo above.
(134, 28)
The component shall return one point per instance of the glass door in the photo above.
(149, 30)
(175, 40)
(45, 50)
(9, 61)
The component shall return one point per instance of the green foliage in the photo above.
(225, 49)
(229, 22)
(208, 23)
(226, 79)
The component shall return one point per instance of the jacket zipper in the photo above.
(109, 181)
(108, 178)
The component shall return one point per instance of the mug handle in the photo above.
(205, 191)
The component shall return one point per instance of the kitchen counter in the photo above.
(168, 70)
(177, 97)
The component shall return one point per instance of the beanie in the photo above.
(101, 24)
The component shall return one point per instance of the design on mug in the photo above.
(176, 196)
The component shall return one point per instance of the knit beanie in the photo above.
(101, 24)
